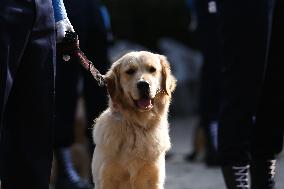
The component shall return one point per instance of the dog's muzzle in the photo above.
(144, 89)
(145, 102)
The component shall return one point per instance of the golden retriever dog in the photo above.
(132, 135)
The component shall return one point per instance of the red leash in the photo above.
(69, 47)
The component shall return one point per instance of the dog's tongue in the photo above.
(144, 103)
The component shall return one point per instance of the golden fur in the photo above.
(131, 141)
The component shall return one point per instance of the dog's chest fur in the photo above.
(120, 137)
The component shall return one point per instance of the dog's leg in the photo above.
(97, 162)
(149, 176)
(109, 183)
(107, 180)
(112, 175)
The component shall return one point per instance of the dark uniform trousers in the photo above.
(208, 30)
(267, 135)
(251, 124)
(27, 44)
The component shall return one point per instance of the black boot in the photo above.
(236, 177)
(67, 177)
(262, 174)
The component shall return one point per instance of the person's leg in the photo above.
(66, 98)
(244, 35)
(14, 34)
(268, 131)
(95, 103)
(67, 79)
(13, 41)
(209, 36)
(26, 143)
(67, 93)
(96, 49)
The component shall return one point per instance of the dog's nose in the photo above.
(143, 87)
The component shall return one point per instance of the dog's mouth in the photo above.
(144, 104)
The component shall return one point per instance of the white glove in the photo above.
(61, 27)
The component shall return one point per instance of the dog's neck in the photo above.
(141, 119)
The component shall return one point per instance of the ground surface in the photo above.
(184, 175)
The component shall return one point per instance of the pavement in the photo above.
(195, 175)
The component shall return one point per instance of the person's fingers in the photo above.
(61, 27)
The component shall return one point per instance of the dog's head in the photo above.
(136, 79)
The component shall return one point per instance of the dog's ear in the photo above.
(112, 81)
(168, 80)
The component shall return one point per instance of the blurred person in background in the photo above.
(250, 124)
(27, 64)
(205, 19)
(89, 18)
(147, 21)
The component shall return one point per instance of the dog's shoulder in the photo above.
(107, 130)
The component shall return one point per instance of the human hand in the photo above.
(62, 27)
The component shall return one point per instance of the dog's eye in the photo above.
(130, 71)
(152, 69)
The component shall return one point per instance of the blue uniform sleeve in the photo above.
(190, 5)
(106, 17)
(59, 10)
